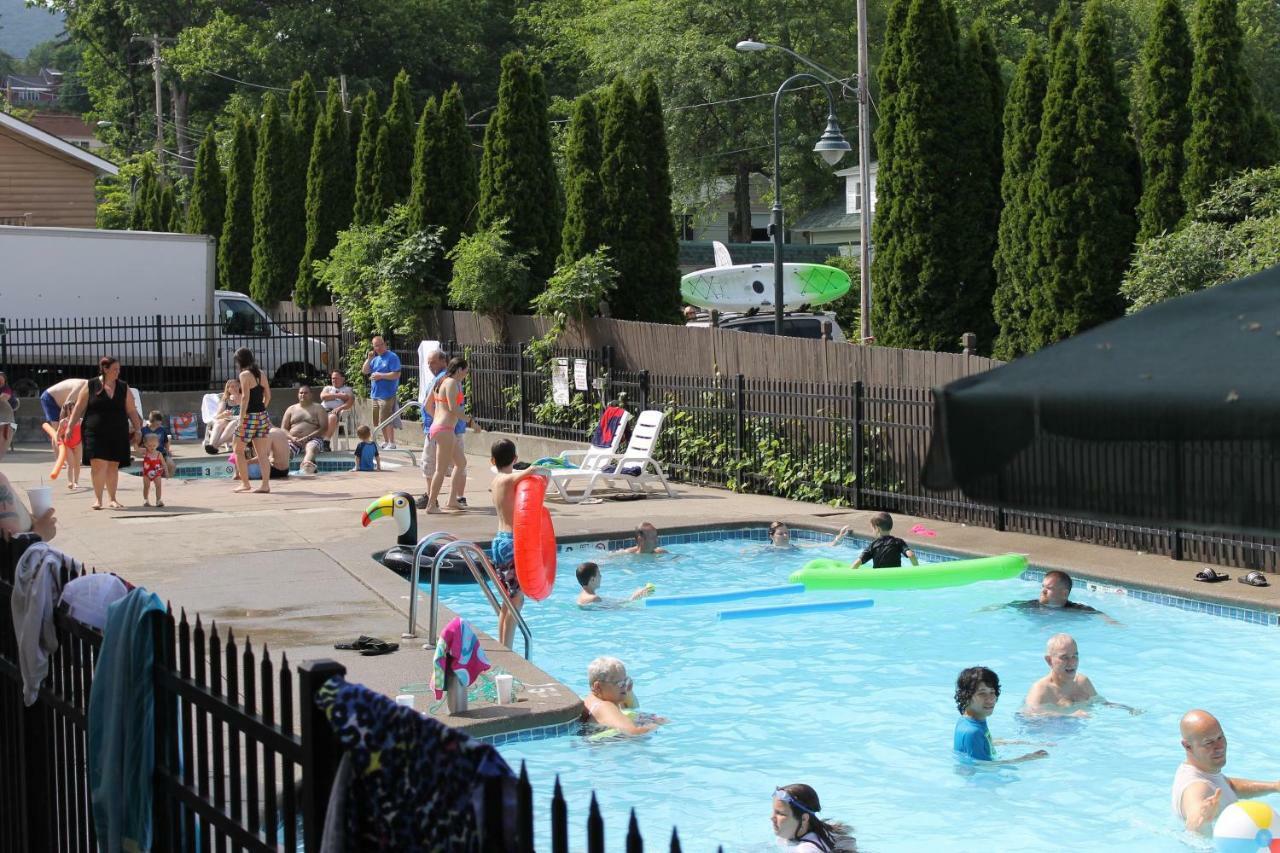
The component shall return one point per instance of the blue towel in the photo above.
(122, 725)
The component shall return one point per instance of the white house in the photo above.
(841, 221)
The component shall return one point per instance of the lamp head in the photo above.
(832, 145)
(750, 46)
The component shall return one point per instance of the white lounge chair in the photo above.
(637, 461)
(208, 411)
(589, 459)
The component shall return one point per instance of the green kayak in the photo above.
(826, 573)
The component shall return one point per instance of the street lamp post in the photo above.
(831, 146)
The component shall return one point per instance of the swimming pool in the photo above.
(221, 469)
(859, 705)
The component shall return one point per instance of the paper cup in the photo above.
(405, 699)
(506, 686)
(41, 499)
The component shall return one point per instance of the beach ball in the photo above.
(1247, 827)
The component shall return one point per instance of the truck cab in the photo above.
(284, 355)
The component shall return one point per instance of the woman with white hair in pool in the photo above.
(611, 695)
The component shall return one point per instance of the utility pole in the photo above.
(342, 88)
(155, 67)
(864, 175)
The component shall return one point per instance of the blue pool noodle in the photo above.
(792, 609)
(731, 595)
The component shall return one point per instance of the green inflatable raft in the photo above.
(826, 573)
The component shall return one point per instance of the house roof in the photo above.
(62, 124)
(699, 253)
(24, 82)
(48, 140)
(829, 218)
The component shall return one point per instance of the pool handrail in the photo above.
(414, 576)
(377, 430)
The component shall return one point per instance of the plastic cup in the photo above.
(41, 499)
(405, 699)
(506, 686)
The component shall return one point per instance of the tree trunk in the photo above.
(741, 232)
(180, 98)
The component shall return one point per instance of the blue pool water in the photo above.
(859, 705)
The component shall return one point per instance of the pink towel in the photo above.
(457, 651)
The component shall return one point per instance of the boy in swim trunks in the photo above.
(502, 550)
(588, 575)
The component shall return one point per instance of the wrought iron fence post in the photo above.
(522, 418)
(644, 390)
(320, 748)
(160, 354)
(306, 339)
(858, 466)
(740, 410)
(4, 343)
(34, 769)
(606, 364)
(163, 819)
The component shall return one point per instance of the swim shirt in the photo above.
(973, 738)
(1034, 604)
(884, 553)
(366, 452)
(162, 431)
(1188, 775)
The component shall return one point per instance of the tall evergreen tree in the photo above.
(1022, 114)
(368, 204)
(624, 187)
(235, 248)
(144, 192)
(1107, 177)
(976, 200)
(918, 291)
(167, 211)
(1052, 227)
(304, 112)
(328, 199)
(424, 170)
(1223, 119)
(208, 190)
(584, 203)
(884, 228)
(1165, 120)
(394, 150)
(660, 278)
(453, 207)
(516, 169)
(275, 264)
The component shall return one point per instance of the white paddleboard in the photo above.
(747, 286)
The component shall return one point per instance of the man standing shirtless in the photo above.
(1065, 690)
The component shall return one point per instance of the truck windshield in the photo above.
(241, 318)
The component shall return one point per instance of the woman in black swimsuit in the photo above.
(107, 409)
(255, 423)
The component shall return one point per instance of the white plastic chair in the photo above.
(346, 428)
(208, 413)
(608, 470)
(589, 459)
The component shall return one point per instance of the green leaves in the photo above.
(490, 275)
(208, 190)
(1165, 119)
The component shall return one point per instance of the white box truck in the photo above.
(71, 295)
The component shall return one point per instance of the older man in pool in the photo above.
(1065, 690)
(1200, 790)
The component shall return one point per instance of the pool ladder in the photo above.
(481, 569)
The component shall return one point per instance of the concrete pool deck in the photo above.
(293, 569)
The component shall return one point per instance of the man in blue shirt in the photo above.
(977, 690)
(382, 366)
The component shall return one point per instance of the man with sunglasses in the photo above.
(15, 519)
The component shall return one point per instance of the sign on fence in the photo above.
(560, 382)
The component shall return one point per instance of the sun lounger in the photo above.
(635, 469)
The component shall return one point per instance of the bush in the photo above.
(490, 277)
(573, 294)
(848, 307)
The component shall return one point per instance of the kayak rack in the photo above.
(481, 569)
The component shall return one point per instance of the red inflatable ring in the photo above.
(535, 539)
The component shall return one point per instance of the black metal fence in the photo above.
(244, 760)
(849, 444)
(168, 353)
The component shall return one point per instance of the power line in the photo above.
(255, 85)
(744, 97)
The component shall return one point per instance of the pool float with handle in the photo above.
(826, 573)
(535, 539)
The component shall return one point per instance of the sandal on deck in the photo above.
(1208, 575)
(359, 644)
(378, 647)
(1255, 579)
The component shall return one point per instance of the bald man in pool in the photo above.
(1200, 790)
(1065, 690)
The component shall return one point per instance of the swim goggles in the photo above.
(780, 794)
(624, 685)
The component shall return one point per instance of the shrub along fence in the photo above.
(851, 444)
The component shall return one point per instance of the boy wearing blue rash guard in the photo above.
(977, 690)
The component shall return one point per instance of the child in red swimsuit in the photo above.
(71, 440)
(153, 470)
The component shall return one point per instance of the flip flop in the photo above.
(378, 647)
(1255, 579)
(358, 644)
(1208, 575)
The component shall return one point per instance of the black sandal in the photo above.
(359, 644)
(378, 647)
(1208, 575)
(1255, 579)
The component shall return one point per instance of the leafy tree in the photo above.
(584, 203)
(394, 151)
(516, 168)
(1022, 114)
(144, 196)
(1165, 120)
(1106, 178)
(276, 252)
(235, 249)
(490, 275)
(624, 191)
(208, 190)
(659, 279)
(1223, 119)
(1053, 224)
(368, 202)
(573, 294)
(328, 196)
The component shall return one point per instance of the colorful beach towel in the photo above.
(457, 651)
(604, 431)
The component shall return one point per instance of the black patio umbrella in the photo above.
(1169, 417)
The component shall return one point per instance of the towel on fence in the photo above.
(417, 784)
(458, 652)
(37, 583)
(121, 723)
(88, 597)
(602, 436)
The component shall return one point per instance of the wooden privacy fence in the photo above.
(695, 351)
